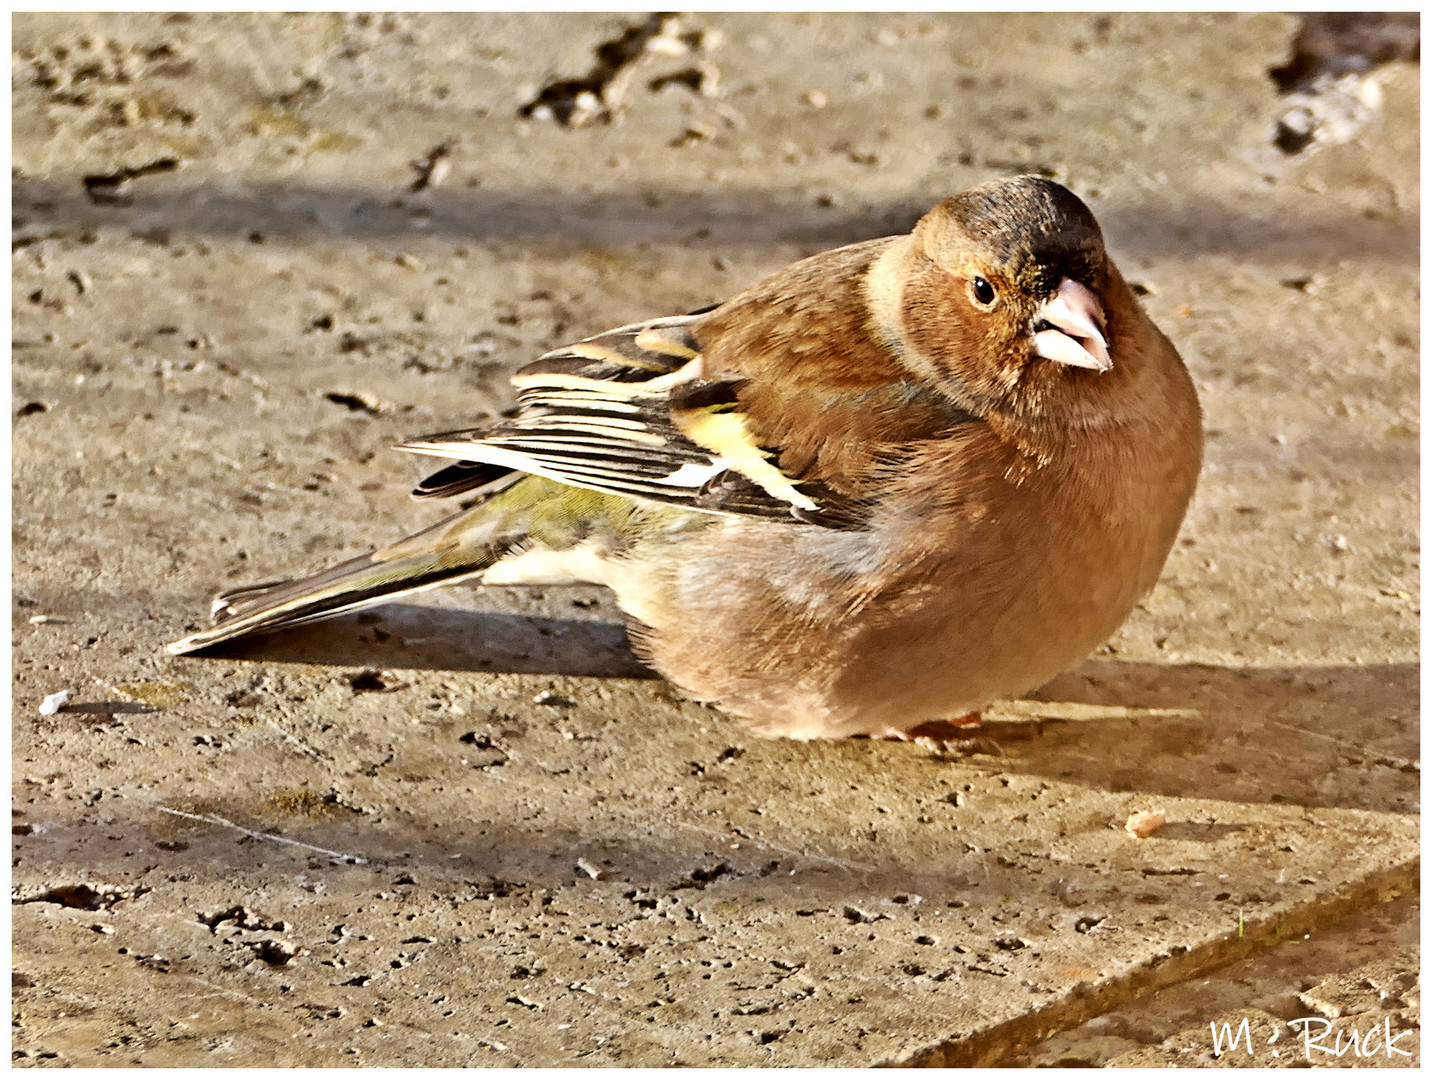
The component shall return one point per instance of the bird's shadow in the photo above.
(1343, 735)
(1340, 735)
(424, 638)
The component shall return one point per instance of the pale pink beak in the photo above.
(1073, 333)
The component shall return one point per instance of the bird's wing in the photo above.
(777, 403)
(630, 412)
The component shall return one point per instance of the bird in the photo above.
(875, 492)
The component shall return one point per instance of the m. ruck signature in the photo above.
(1318, 1036)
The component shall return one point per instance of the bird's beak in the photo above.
(1068, 328)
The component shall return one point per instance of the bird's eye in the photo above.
(982, 291)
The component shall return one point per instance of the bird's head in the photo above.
(999, 296)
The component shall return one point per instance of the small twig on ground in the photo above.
(214, 819)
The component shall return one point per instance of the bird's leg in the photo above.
(969, 734)
(959, 727)
(962, 735)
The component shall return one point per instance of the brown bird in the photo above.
(883, 486)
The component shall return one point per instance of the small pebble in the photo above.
(54, 703)
(666, 46)
(439, 172)
(594, 872)
(1144, 823)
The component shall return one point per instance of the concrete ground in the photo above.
(250, 252)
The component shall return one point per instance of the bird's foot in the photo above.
(962, 735)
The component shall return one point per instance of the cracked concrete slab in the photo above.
(475, 830)
(1345, 996)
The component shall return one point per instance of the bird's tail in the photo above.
(462, 546)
